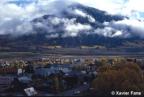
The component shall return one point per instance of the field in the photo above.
(73, 52)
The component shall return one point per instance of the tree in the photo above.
(29, 69)
(56, 83)
(125, 76)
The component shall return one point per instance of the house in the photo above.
(5, 82)
(8, 70)
(30, 91)
(20, 83)
(64, 67)
(25, 79)
(53, 69)
(3, 64)
(44, 72)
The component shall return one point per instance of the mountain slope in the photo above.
(75, 26)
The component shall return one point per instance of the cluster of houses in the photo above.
(51, 79)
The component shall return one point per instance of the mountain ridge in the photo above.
(47, 32)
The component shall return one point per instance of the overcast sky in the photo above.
(14, 13)
(131, 8)
(26, 8)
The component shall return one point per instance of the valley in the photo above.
(125, 52)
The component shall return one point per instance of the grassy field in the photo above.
(17, 54)
(71, 51)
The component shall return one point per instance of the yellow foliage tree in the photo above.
(121, 77)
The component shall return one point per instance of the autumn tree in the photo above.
(125, 76)
(56, 82)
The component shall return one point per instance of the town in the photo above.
(54, 75)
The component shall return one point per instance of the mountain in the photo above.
(73, 27)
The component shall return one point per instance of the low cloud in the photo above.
(69, 27)
(16, 17)
(74, 29)
(85, 15)
(130, 8)
(108, 32)
(123, 28)
(130, 27)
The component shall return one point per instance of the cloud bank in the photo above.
(15, 17)
(130, 8)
